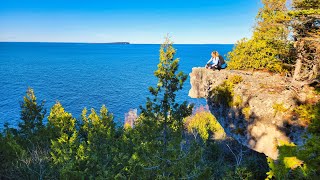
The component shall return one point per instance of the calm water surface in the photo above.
(88, 75)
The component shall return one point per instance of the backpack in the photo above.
(222, 63)
(221, 60)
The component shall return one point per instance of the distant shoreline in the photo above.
(128, 43)
(112, 43)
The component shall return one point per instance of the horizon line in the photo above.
(66, 42)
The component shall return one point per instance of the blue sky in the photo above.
(138, 21)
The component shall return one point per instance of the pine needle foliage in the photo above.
(163, 151)
(32, 114)
(268, 48)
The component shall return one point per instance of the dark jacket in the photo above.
(221, 60)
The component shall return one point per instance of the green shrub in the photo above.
(204, 123)
(278, 107)
(241, 173)
(300, 162)
(268, 48)
(237, 101)
(235, 79)
(306, 113)
(222, 94)
(254, 54)
(288, 165)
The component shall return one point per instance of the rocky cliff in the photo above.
(255, 108)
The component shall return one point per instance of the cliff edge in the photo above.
(255, 108)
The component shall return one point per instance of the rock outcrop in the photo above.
(259, 109)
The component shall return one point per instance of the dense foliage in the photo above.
(300, 162)
(268, 47)
(283, 41)
(166, 141)
(306, 27)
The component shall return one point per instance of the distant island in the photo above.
(107, 42)
(116, 43)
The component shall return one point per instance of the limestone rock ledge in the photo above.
(260, 115)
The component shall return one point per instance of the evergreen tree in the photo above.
(160, 148)
(272, 27)
(99, 147)
(10, 152)
(64, 143)
(306, 30)
(29, 145)
(90, 151)
(310, 151)
(32, 115)
(268, 48)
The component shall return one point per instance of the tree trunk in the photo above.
(297, 70)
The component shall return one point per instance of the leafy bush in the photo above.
(254, 54)
(286, 163)
(268, 48)
(204, 124)
(300, 162)
(223, 94)
(235, 79)
(306, 113)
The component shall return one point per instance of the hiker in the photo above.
(216, 62)
(213, 61)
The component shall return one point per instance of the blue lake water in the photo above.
(88, 75)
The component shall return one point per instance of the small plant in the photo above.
(237, 101)
(240, 173)
(246, 112)
(235, 79)
(279, 107)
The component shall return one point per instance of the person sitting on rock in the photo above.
(213, 61)
(216, 62)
